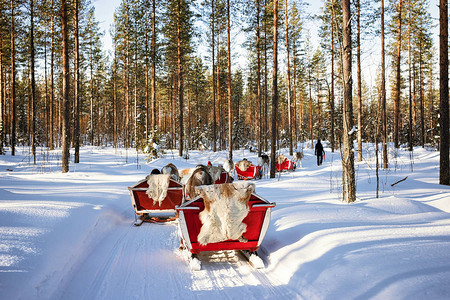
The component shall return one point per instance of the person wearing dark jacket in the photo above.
(319, 152)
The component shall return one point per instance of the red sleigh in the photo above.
(252, 172)
(257, 221)
(286, 165)
(143, 204)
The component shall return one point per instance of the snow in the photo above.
(71, 236)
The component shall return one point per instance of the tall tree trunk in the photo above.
(398, 83)
(52, 80)
(288, 69)
(410, 142)
(310, 108)
(274, 90)
(258, 78)
(115, 101)
(154, 64)
(383, 92)
(126, 79)
(358, 74)
(444, 170)
(230, 110)
(65, 90)
(348, 158)
(77, 104)
(180, 86)
(332, 83)
(33, 83)
(421, 88)
(2, 99)
(213, 42)
(13, 83)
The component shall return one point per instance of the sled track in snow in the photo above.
(135, 262)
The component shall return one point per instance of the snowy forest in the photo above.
(157, 90)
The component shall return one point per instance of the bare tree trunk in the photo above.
(288, 79)
(398, 83)
(348, 158)
(65, 92)
(358, 72)
(13, 84)
(421, 88)
(77, 104)
(410, 142)
(126, 79)
(180, 86)
(52, 83)
(230, 110)
(258, 78)
(274, 90)
(2, 99)
(33, 83)
(444, 171)
(154, 64)
(333, 143)
(213, 42)
(310, 109)
(383, 92)
(115, 102)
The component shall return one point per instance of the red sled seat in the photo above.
(224, 178)
(252, 172)
(286, 165)
(257, 222)
(143, 204)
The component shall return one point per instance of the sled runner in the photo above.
(170, 195)
(252, 172)
(191, 216)
(286, 165)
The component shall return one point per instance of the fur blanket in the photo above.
(157, 187)
(244, 164)
(226, 206)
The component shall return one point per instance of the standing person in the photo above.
(319, 152)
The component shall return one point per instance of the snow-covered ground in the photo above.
(71, 236)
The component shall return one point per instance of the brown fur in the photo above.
(172, 170)
(215, 172)
(199, 177)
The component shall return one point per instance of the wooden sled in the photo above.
(143, 205)
(286, 165)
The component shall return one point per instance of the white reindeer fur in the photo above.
(157, 187)
(243, 165)
(226, 206)
(228, 165)
(298, 156)
(215, 172)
